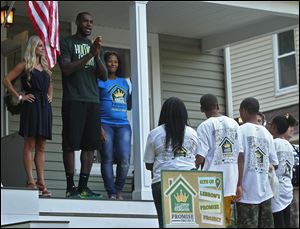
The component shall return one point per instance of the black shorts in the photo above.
(81, 126)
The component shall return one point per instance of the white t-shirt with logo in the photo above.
(220, 145)
(284, 173)
(259, 152)
(178, 159)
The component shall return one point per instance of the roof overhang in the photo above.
(215, 23)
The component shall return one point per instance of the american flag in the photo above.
(44, 18)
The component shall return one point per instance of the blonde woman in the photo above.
(36, 112)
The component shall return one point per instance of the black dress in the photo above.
(36, 117)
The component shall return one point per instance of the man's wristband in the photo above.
(20, 97)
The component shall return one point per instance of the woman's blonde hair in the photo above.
(30, 56)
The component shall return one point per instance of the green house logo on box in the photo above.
(182, 200)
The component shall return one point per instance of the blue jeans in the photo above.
(116, 148)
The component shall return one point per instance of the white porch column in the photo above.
(140, 98)
(228, 83)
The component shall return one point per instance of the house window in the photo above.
(285, 62)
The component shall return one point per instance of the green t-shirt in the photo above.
(81, 85)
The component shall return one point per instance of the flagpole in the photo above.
(9, 9)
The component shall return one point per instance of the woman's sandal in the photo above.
(43, 191)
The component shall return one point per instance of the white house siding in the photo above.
(252, 68)
(54, 168)
(188, 74)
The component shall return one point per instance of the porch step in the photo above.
(38, 224)
(23, 208)
(19, 204)
(100, 213)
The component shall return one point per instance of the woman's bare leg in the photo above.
(29, 145)
(39, 160)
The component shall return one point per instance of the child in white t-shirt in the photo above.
(171, 146)
(281, 202)
(254, 208)
(220, 147)
(295, 180)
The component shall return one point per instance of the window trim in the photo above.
(286, 90)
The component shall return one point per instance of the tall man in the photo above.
(81, 65)
(220, 147)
